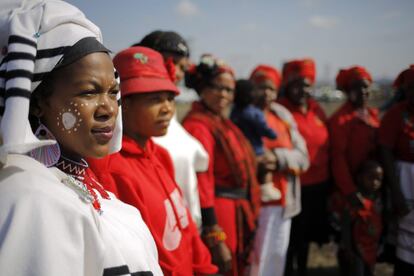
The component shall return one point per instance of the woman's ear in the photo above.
(125, 104)
(37, 106)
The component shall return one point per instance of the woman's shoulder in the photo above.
(283, 113)
(27, 184)
(195, 125)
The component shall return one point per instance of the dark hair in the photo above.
(368, 165)
(41, 93)
(165, 42)
(202, 75)
(244, 93)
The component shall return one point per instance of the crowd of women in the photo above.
(90, 188)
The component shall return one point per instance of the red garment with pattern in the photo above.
(231, 166)
(312, 127)
(353, 140)
(397, 131)
(139, 177)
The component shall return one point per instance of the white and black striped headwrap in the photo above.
(34, 36)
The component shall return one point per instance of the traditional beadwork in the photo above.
(79, 187)
(83, 184)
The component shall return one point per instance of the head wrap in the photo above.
(404, 77)
(346, 77)
(294, 69)
(37, 36)
(142, 70)
(166, 42)
(265, 72)
(197, 76)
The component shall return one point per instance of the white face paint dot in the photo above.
(68, 120)
(75, 129)
(78, 113)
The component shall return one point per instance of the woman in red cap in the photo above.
(353, 129)
(311, 223)
(396, 138)
(188, 155)
(228, 190)
(287, 159)
(138, 174)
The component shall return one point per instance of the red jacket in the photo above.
(139, 177)
(353, 140)
(312, 126)
(397, 132)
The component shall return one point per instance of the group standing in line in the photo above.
(98, 177)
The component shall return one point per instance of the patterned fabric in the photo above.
(66, 236)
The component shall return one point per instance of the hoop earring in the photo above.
(47, 155)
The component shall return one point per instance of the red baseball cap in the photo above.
(142, 70)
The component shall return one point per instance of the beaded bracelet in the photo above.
(214, 237)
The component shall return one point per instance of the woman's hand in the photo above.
(266, 163)
(214, 238)
(221, 256)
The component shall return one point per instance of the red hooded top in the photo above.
(139, 177)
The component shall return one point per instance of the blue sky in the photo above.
(377, 34)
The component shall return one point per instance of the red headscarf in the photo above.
(265, 72)
(294, 69)
(404, 77)
(346, 77)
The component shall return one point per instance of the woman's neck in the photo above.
(139, 139)
(71, 156)
(219, 114)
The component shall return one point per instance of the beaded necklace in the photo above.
(82, 182)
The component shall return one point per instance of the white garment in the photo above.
(405, 234)
(189, 157)
(271, 243)
(47, 229)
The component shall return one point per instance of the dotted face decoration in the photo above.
(68, 118)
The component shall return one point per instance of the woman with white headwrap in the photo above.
(55, 218)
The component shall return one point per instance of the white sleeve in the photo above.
(201, 156)
(42, 233)
(297, 158)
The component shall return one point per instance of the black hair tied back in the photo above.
(197, 77)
